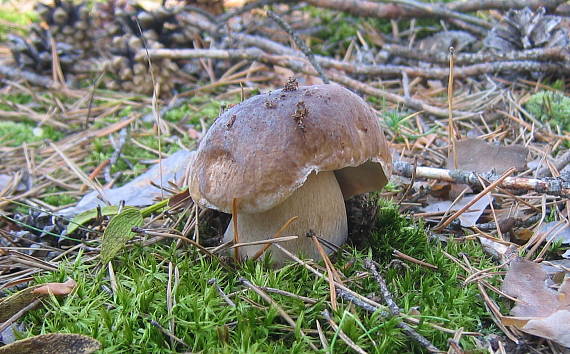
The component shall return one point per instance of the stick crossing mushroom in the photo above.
(297, 151)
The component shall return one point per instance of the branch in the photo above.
(393, 11)
(548, 185)
(540, 54)
(298, 65)
(17, 74)
(300, 43)
(395, 309)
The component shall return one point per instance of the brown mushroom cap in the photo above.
(263, 149)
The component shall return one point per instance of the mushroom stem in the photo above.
(318, 203)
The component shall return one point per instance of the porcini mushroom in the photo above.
(298, 151)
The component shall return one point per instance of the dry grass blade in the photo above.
(78, 172)
(481, 194)
(235, 228)
(401, 255)
(364, 299)
(276, 235)
(332, 274)
(265, 242)
(341, 334)
(279, 309)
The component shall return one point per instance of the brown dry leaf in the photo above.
(56, 288)
(523, 234)
(61, 343)
(542, 311)
(468, 218)
(10, 305)
(479, 156)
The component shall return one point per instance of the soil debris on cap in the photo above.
(291, 85)
(300, 114)
(231, 121)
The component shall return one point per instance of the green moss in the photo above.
(122, 320)
(57, 197)
(550, 107)
(16, 98)
(15, 134)
(199, 107)
(11, 15)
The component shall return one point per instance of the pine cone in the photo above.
(161, 25)
(525, 29)
(131, 71)
(68, 23)
(35, 52)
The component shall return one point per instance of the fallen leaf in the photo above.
(56, 288)
(556, 230)
(140, 191)
(541, 310)
(182, 198)
(497, 250)
(61, 343)
(10, 305)
(479, 156)
(468, 218)
(119, 231)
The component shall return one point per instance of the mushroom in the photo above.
(297, 151)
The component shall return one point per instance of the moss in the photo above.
(122, 320)
(15, 134)
(11, 15)
(199, 107)
(55, 196)
(550, 107)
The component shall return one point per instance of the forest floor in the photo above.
(473, 99)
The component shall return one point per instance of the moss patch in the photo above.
(550, 107)
(122, 320)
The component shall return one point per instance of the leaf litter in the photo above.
(506, 125)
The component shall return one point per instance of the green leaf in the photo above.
(118, 232)
(88, 215)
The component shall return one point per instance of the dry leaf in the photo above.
(60, 343)
(556, 230)
(497, 250)
(479, 156)
(468, 218)
(541, 311)
(10, 305)
(138, 192)
(56, 288)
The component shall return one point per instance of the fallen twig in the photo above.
(223, 295)
(17, 74)
(548, 185)
(537, 54)
(395, 309)
(300, 43)
(394, 11)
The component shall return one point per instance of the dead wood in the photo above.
(539, 54)
(558, 186)
(394, 11)
(33, 78)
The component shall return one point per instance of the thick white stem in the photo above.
(319, 204)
